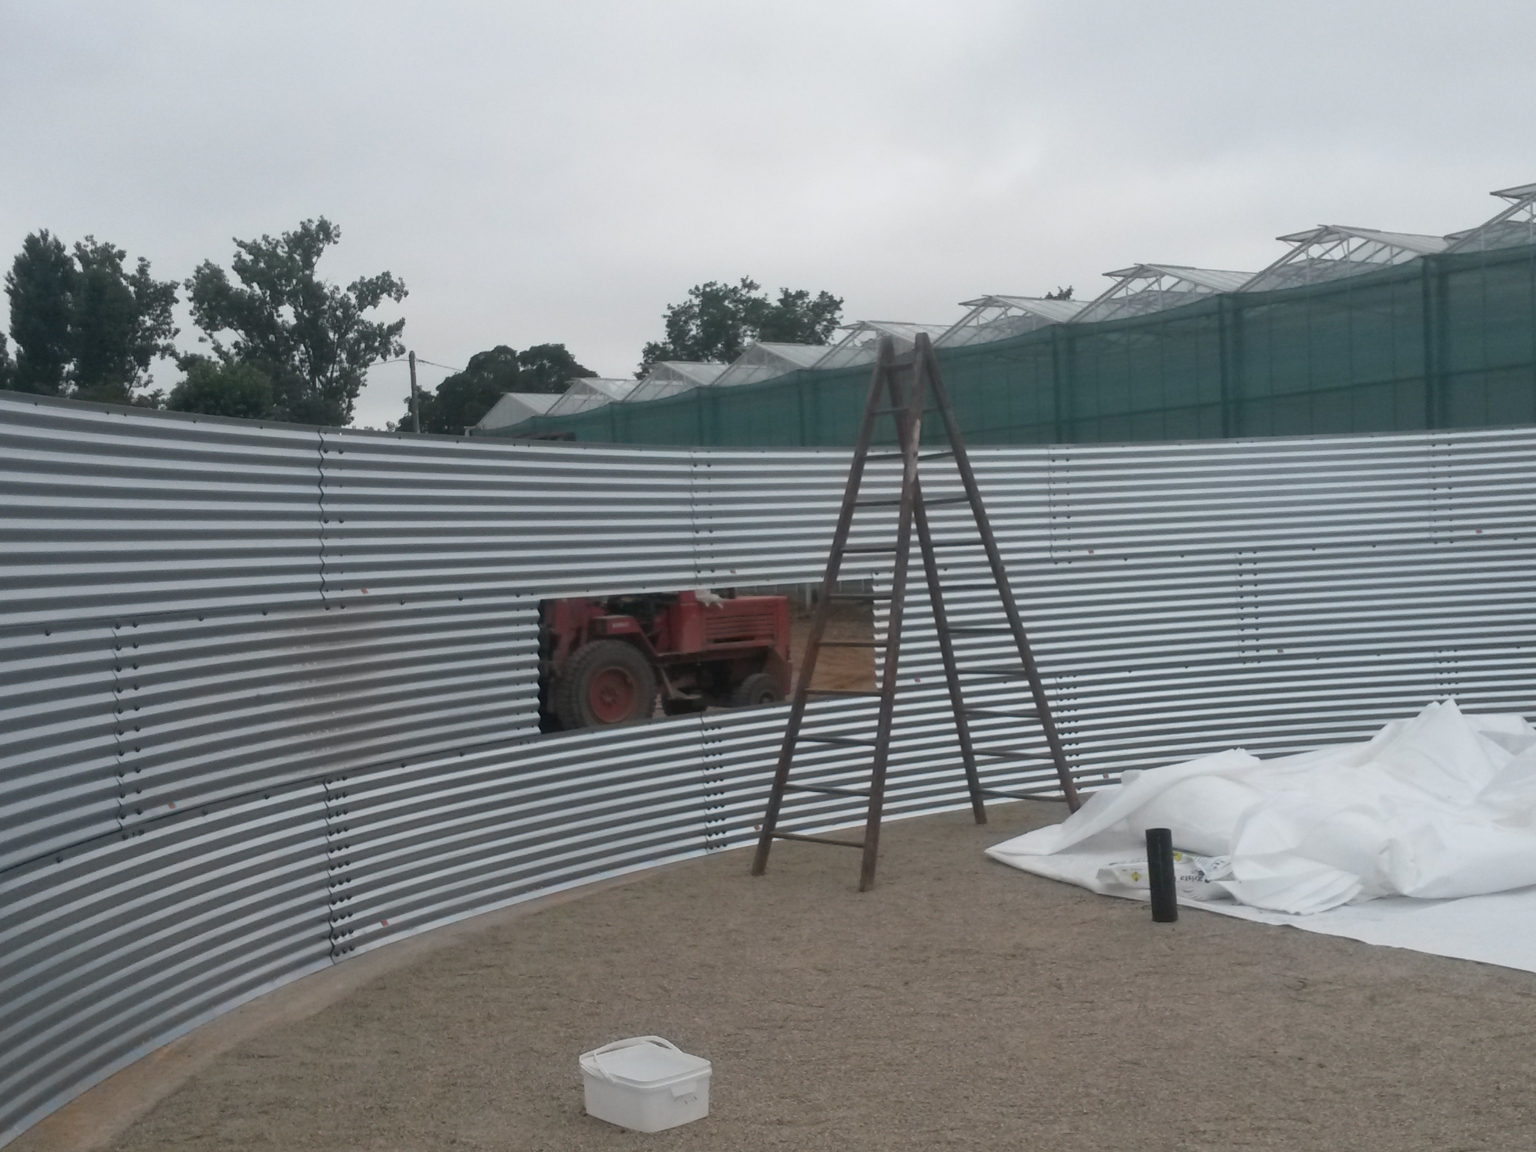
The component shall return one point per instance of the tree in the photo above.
(547, 368)
(121, 322)
(7, 367)
(84, 326)
(310, 338)
(463, 398)
(718, 321)
(41, 287)
(218, 389)
(797, 318)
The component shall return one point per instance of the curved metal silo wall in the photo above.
(269, 693)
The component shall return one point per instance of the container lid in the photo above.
(645, 1064)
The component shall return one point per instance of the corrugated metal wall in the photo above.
(268, 694)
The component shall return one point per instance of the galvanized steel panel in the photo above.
(269, 694)
(111, 947)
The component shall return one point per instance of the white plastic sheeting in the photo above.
(1432, 810)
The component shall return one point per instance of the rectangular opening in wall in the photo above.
(617, 659)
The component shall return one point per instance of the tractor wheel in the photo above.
(605, 682)
(758, 688)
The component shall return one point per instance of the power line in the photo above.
(419, 360)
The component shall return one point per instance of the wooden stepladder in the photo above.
(900, 388)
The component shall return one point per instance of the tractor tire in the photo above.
(758, 688)
(606, 682)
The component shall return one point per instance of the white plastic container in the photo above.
(645, 1083)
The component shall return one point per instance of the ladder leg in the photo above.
(924, 352)
(909, 435)
(878, 378)
(947, 653)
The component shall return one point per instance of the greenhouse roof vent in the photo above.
(1512, 226)
(764, 361)
(1145, 288)
(673, 377)
(863, 338)
(1330, 251)
(998, 317)
(515, 407)
(591, 392)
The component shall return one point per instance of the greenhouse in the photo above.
(861, 339)
(670, 377)
(1145, 288)
(1350, 330)
(999, 317)
(1330, 251)
(1515, 225)
(590, 392)
(764, 361)
(514, 408)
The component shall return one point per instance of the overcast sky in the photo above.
(563, 171)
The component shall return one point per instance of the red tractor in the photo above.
(604, 660)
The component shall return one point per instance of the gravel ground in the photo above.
(847, 668)
(959, 1004)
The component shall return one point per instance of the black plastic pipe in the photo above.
(1165, 898)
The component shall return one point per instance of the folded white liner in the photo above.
(1430, 812)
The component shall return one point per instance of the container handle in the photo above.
(618, 1044)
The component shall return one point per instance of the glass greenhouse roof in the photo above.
(591, 392)
(671, 377)
(1514, 225)
(1333, 250)
(765, 361)
(515, 407)
(1145, 288)
(998, 317)
(863, 338)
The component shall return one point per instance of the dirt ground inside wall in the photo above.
(848, 669)
(960, 1004)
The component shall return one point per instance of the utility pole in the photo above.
(415, 398)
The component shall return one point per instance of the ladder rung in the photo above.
(852, 644)
(862, 597)
(842, 741)
(827, 791)
(893, 501)
(1027, 714)
(1005, 672)
(891, 547)
(921, 455)
(970, 587)
(1014, 795)
(981, 629)
(1011, 754)
(901, 411)
(817, 839)
(840, 692)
